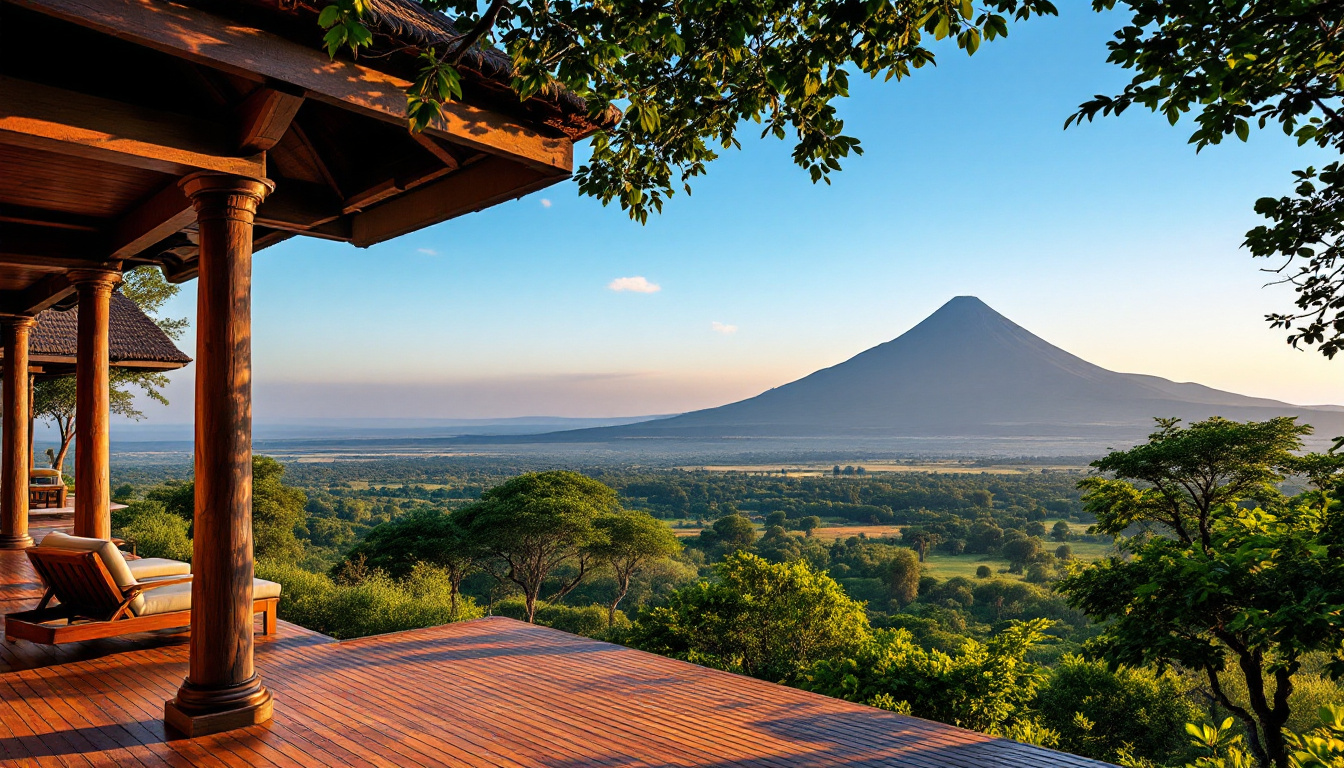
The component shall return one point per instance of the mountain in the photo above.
(965, 371)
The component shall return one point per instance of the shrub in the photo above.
(983, 572)
(589, 621)
(1102, 713)
(373, 606)
(986, 686)
(155, 531)
(767, 620)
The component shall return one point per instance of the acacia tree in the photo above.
(1235, 65)
(632, 541)
(54, 399)
(1225, 575)
(687, 74)
(537, 523)
(430, 536)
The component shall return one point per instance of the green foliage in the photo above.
(1235, 65)
(1106, 714)
(536, 523)
(589, 620)
(1232, 579)
(689, 76)
(276, 509)
(901, 576)
(730, 533)
(986, 686)
(375, 605)
(630, 541)
(767, 620)
(155, 531)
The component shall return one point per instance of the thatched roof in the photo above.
(133, 339)
(397, 24)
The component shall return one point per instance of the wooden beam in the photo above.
(42, 295)
(168, 211)
(56, 120)
(438, 150)
(263, 118)
(305, 208)
(202, 37)
(482, 185)
(49, 250)
(18, 214)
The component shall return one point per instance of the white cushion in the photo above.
(149, 567)
(177, 597)
(174, 597)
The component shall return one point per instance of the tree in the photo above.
(982, 572)
(1107, 713)
(767, 620)
(985, 687)
(1235, 65)
(632, 541)
(429, 536)
(777, 518)
(54, 399)
(1226, 575)
(276, 509)
(536, 523)
(1061, 531)
(920, 540)
(809, 524)
(1020, 552)
(688, 76)
(732, 532)
(901, 576)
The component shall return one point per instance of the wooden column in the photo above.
(222, 690)
(93, 492)
(15, 451)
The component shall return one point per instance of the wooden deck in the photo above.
(491, 692)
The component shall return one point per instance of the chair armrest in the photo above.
(136, 589)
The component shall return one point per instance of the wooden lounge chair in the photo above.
(99, 596)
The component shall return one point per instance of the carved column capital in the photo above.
(222, 195)
(94, 279)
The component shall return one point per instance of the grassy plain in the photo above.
(951, 467)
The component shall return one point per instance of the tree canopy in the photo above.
(1225, 575)
(1235, 65)
(689, 75)
(767, 620)
(536, 523)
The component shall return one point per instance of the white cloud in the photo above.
(723, 328)
(634, 285)
(427, 251)
(545, 202)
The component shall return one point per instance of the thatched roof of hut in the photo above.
(134, 340)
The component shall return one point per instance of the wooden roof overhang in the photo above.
(105, 105)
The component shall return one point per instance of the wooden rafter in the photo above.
(263, 118)
(199, 36)
(163, 214)
(56, 120)
(481, 185)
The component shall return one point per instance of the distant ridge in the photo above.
(965, 371)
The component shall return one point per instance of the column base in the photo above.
(191, 721)
(16, 542)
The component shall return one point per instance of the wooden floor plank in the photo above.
(491, 692)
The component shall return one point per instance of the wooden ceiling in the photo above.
(106, 104)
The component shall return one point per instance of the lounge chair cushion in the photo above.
(177, 597)
(107, 551)
(152, 567)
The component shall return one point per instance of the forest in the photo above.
(1203, 628)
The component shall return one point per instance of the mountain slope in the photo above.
(965, 370)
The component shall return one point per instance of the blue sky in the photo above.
(1113, 240)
